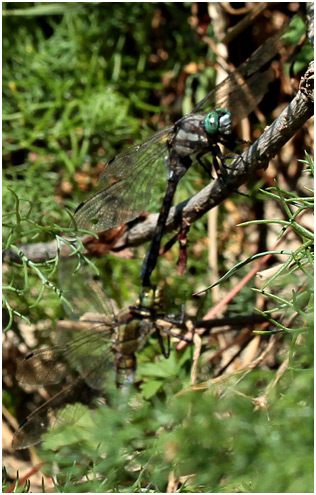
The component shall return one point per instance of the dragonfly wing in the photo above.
(242, 90)
(43, 366)
(89, 355)
(129, 179)
(240, 97)
(37, 423)
(82, 291)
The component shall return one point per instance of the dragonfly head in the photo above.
(150, 298)
(218, 122)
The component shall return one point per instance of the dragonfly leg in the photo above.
(231, 145)
(170, 333)
(165, 353)
(220, 168)
(242, 141)
(203, 165)
(178, 321)
(219, 163)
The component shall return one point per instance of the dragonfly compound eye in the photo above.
(211, 123)
(218, 122)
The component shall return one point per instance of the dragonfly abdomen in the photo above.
(125, 369)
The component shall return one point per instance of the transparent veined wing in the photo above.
(244, 88)
(79, 282)
(86, 343)
(238, 96)
(37, 423)
(129, 179)
(87, 354)
(83, 358)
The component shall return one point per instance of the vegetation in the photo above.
(82, 82)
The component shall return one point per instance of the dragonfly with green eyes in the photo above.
(89, 351)
(130, 177)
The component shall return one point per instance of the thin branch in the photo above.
(255, 158)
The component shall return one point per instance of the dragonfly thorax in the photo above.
(150, 298)
(189, 135)
(195, 132)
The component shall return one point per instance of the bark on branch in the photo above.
(256, 157)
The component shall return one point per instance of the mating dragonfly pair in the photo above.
(129, 179)
(91, 349)
(131, 176)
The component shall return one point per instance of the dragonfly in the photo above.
(129, 178)
(100, 344)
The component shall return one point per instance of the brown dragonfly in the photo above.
(100, 345)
